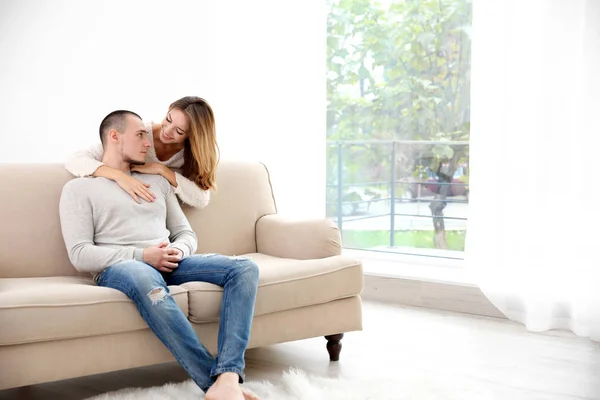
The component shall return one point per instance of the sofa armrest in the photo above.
(302, 239)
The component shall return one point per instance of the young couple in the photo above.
(122, 223)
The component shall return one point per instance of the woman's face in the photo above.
(175, 127)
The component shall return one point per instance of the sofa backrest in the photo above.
(31, 242)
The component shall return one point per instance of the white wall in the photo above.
(271, 94)
(65, 64)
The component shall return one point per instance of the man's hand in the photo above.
(161, 257)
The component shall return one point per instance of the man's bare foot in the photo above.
(248, 395)
(226, 387)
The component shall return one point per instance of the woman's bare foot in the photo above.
(248, 395)
(226, 387)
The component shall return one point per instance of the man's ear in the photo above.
(113, 135)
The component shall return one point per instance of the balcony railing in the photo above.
(397, 187)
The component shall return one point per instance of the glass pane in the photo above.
(398, 123)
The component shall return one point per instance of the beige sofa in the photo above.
(55, 323)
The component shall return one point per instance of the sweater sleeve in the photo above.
(148, 126)
(190, 193)
(77, 227)
(85, 162)
(182, 236)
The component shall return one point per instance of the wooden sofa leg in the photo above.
(334, 346)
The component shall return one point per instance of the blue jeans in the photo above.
(147, 287)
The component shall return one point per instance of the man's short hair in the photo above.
(115, 120)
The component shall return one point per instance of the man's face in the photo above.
(134, 143)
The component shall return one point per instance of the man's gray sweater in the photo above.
(102, 225)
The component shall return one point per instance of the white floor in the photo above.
(491, 356)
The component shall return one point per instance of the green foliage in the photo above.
(398, 70)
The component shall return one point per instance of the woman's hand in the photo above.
(156, 169)
(135, 188)
(151, 168)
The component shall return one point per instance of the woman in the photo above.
(184, 152)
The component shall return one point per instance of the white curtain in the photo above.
(533, 238)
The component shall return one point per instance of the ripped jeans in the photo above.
(147, 287)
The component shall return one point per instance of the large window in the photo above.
(398, 87)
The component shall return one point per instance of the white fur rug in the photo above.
(297, 385)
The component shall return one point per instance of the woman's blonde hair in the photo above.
(201, 151)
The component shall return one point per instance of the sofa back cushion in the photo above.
(31, 242)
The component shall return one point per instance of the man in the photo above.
(139, 249)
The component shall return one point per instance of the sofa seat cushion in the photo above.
(43, 309)
(284, 284)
